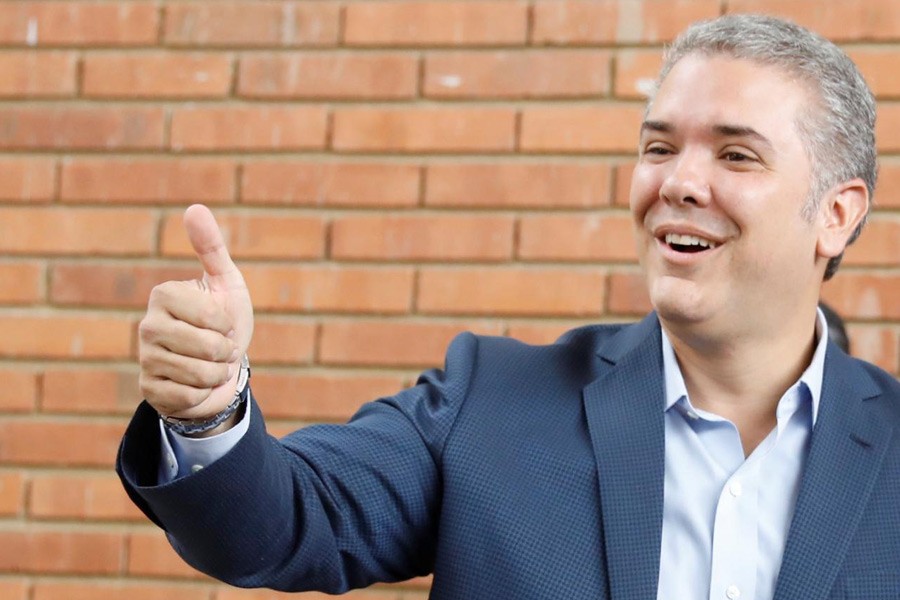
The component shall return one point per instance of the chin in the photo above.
(676, 300)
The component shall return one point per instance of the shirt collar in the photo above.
(811, 377)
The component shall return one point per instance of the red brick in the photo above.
(12, 495)
(422, 237)
(879, 244)
(20, 390)
(392, 343)
(611, 128)
(15, 589)
(424, 129)
(330, 184)
(37, 74)
(878, 67)
(525, 185)
(636, 72)
(21, 282)
(60, 443)
(877, 344)
(341, 76)
(65, 337)
(887, 194)
(887, 128)
(587, 237)
(31, 179)
(81, 128)
(846, 20)
(539, 333)
(60, 552)
(101, 590)
(251, 23)
(628, 294)
(249, 128)
(90, 391)
(319, 397)
(282, 341)
(856, 295)
(156, 75)
(518, 74)
(151, 555)
(78, 23)
(622, 192)
(330, 289)
(436, 23)
(270, 235)
(81, 497)
(609, 21)
(111, 285)
(511, 291)
(81, 232)
(210, 181)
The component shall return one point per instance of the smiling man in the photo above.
(720, 448)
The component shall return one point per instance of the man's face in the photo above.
(717, 196)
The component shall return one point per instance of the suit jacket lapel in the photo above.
(624, 409)
(847, 447)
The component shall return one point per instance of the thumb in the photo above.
(208, 243)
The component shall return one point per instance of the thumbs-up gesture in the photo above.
(195, 332)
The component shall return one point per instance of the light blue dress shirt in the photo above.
(726, 517)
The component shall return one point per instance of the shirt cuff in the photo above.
(183, 455)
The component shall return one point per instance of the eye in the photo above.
(738, 155)
(658, 150)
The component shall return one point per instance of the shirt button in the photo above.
(693, 415)
(733, 592)
(195, 468)
(736, 489)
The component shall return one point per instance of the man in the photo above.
(720, 448)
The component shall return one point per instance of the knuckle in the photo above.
(148, 329)
(161, 292)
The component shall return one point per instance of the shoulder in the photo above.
(888, 383)
(574, 356)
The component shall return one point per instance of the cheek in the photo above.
(645, 184)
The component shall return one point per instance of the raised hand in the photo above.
(195, 332)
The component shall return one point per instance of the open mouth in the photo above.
(689, 244)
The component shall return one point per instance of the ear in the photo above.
(842, 209)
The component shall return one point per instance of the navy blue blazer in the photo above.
(521, 472)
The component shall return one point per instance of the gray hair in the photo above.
(838, 132)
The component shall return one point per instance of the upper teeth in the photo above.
(689, 240)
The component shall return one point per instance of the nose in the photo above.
(688, 181)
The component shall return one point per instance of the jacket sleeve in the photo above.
(329, 507)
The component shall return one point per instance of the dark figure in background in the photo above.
(836, 330)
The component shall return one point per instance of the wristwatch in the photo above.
(192, 426)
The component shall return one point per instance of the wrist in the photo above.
(224, 426)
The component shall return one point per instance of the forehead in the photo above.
(705, 91)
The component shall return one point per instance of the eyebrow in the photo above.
(722, 130)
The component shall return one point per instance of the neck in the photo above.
(742, 377)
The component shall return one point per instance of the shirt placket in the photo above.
(735, 539)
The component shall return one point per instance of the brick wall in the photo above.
(389, 173)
